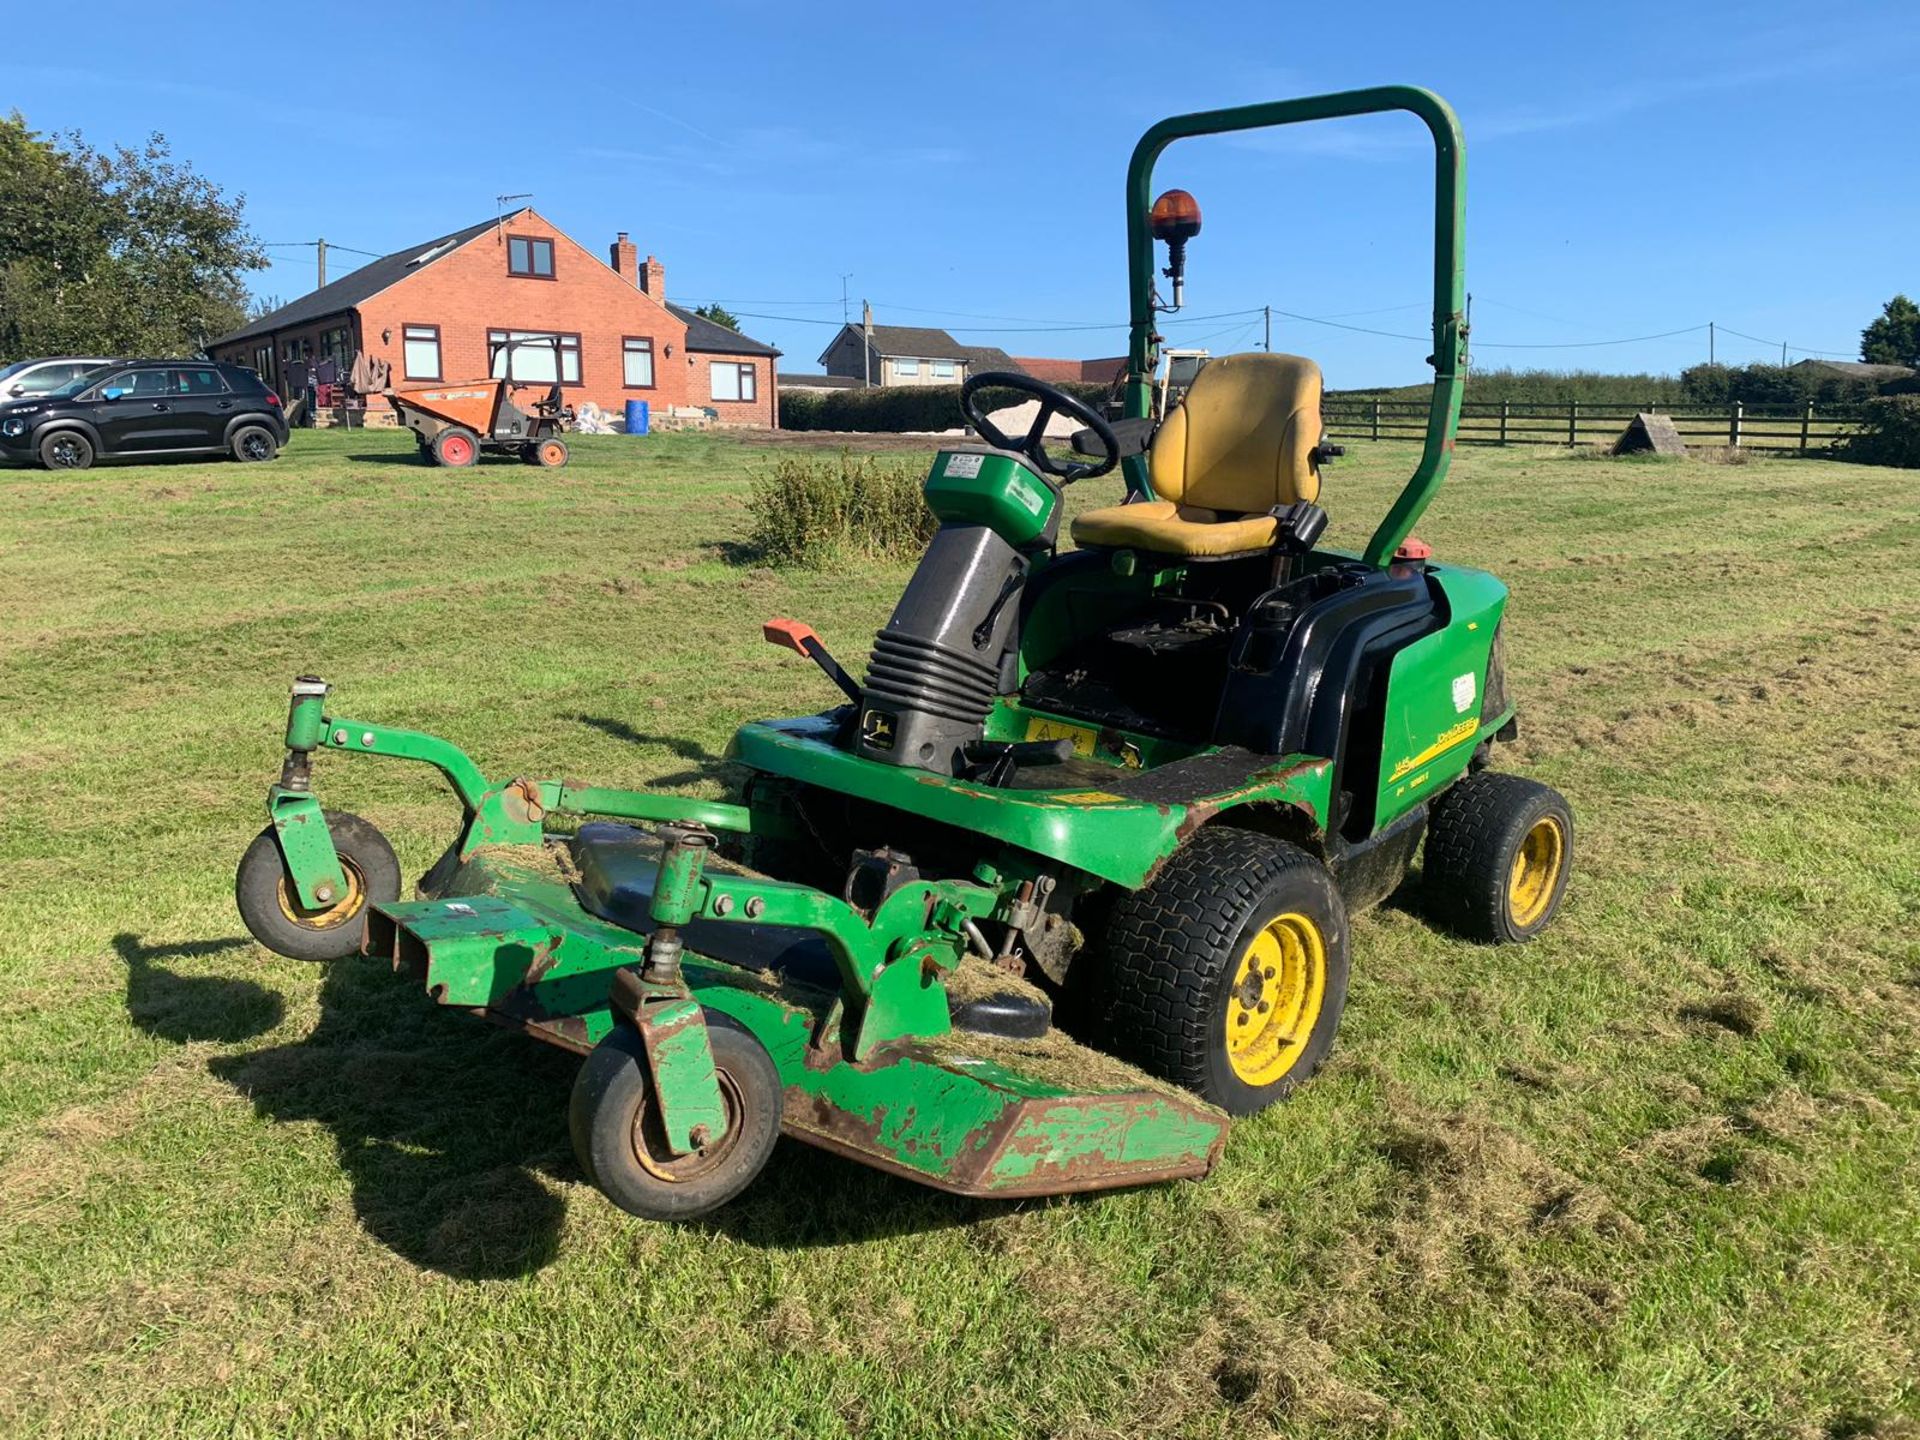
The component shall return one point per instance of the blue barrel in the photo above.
(638, 417)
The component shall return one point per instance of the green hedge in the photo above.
(1547, 387)
(1889, 434)
(1773, 385)
(891, 409)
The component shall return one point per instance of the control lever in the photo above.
(993, 762)
(800, 638)
(1301, 524)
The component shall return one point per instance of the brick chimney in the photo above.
(653, 279)
(622, 256)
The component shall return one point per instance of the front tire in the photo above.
(1499, 849)
(1228, 974)
(66, 450)
(252, 443)
(454, 447)
(617, 1139)
(271, 906)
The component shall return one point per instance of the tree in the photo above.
(122, 252)
(1894, 338)
(718, 314)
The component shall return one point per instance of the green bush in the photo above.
(816, 511)
(890, 409)
(1889, 433)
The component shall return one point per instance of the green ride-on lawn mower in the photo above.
(1149, 778)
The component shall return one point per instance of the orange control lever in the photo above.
(799, 637)
(793, 634)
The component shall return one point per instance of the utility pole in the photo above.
(1710, 359)
(866, 344)
(320, 249)
(1267, 343)
(1783, 354)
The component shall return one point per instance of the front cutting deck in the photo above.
(512, 937)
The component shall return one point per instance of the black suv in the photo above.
(134, 409)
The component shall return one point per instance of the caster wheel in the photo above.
(271, 907)
(617, 1135)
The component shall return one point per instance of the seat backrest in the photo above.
(1244, 438)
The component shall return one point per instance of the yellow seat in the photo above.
(1242, 444)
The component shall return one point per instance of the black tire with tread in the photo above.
(1473, 831)
(67, 441)
(249, 438)
(608, 1095)
(263, 871)
(1172, 948)
(436, 447)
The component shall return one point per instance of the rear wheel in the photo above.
(619, 1141)
(1228, 974)
(1499, 849)
(254, 442)
(271, 908)
(548, 454)
(455, 448)
(66, 450)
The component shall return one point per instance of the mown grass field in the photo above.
(1652, 1176)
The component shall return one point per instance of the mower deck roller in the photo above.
(1151, 776)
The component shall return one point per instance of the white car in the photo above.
(26, 378)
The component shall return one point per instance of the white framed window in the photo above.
(906, 367)
(420, 351)
(943, 369)
(636, 362)
(733, 381)
(530, 356)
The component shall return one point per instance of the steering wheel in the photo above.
(1033, 444)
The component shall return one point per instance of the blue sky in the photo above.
(1633, 168)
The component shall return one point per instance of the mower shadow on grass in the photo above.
(448, 1132)
(184, 1009)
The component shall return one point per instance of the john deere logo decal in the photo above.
(876, 729)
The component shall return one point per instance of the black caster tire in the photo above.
(1228, 974)
(272, 910)
(548, 454)
(455, 448)
(616, 1134)
(1499, 850)
(66, 450)
(253, 443)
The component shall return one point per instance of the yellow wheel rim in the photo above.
(1536, 872)
(1278, 989)
(341, 911)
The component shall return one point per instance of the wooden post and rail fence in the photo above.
(1800, 429)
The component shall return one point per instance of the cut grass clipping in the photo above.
(812, 511)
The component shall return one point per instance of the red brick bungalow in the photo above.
(440, 310)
